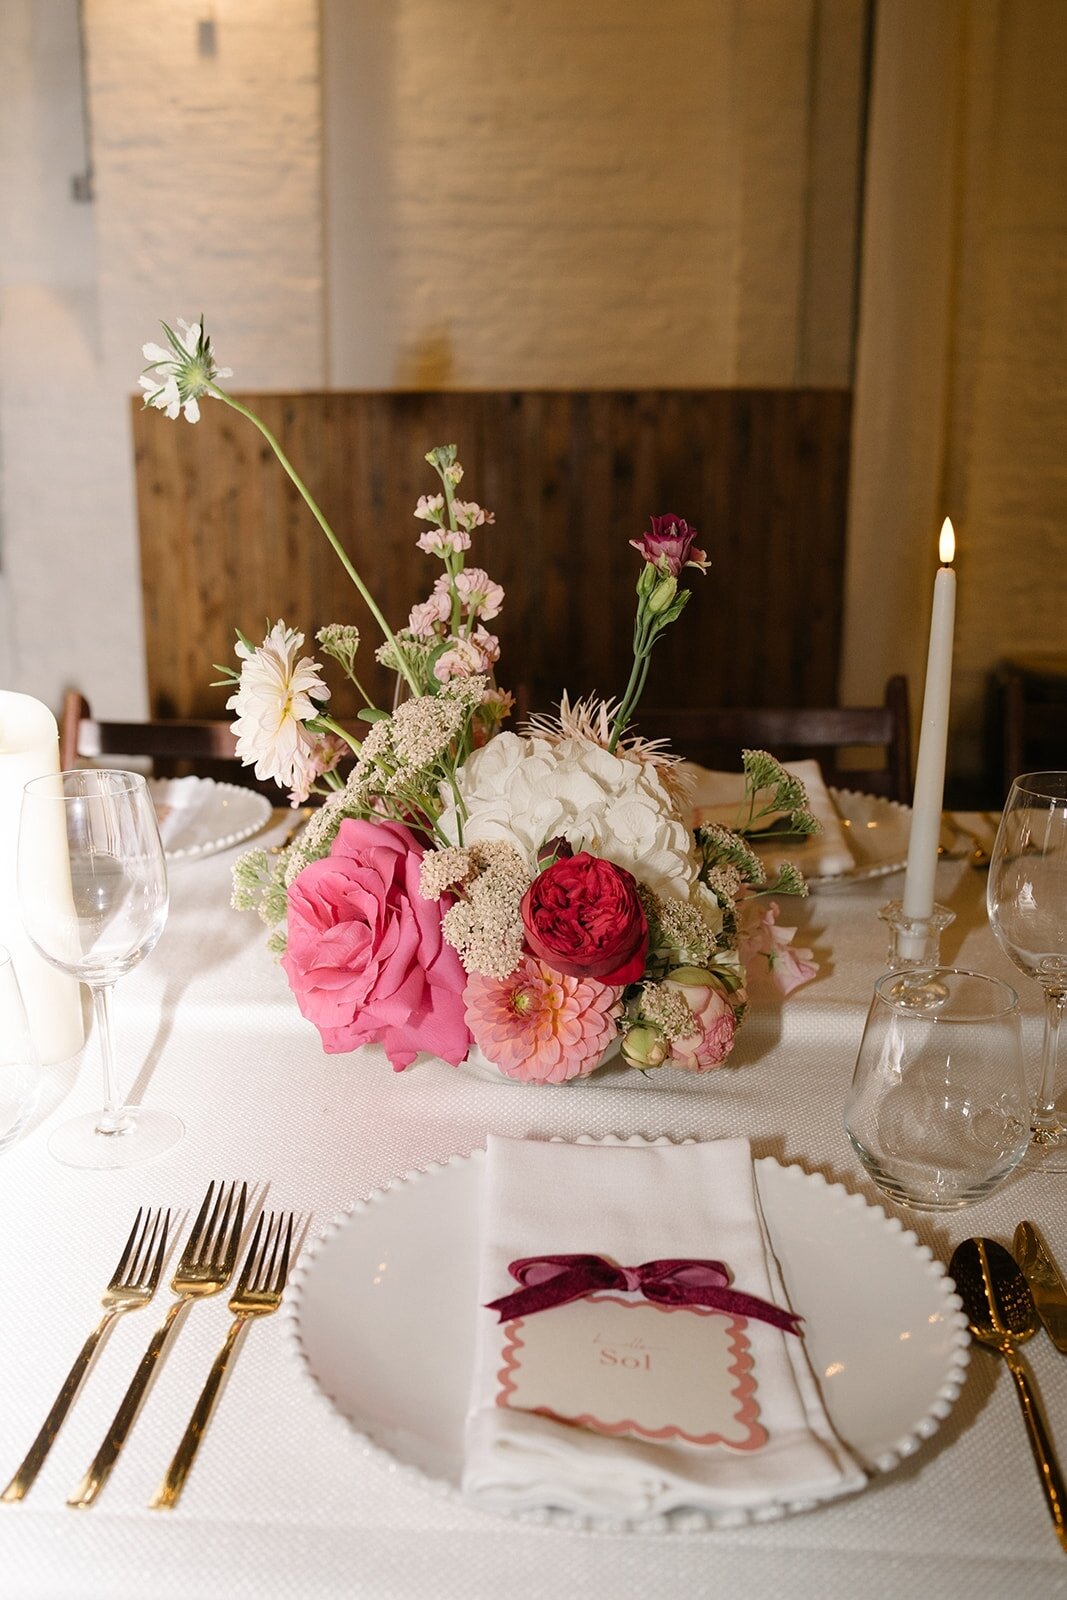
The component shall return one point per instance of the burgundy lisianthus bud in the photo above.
(669, 546)
(557, 849)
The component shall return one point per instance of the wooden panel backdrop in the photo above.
(226, 541)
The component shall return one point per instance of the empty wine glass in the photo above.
(1027, 902)
(92, 883)
(938, 1109)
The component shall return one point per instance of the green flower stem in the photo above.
(454, 562)
(325, 724)
(367, 701)
(220, 394)
(642, 650)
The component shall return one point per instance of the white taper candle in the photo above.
(933, 740)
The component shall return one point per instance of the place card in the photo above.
(626, 1366)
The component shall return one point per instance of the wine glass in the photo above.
(92, 885)
(1027, 902)
(938, 1108)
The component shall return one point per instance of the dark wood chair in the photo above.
(207, 748)
(715, 736)
(1033, 716)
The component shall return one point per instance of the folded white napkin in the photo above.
(631, 1204)
(717, 795)
(182, 806)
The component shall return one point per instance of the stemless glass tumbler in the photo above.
(938, 1110)
(1027, 903)
(92, 883)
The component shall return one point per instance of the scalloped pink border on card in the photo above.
(744, 1391)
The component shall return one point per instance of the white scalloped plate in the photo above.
(383, 1309)
(877, 830)
(198, 816)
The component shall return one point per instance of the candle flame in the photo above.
(946, 545)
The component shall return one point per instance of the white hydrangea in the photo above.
(528, 790)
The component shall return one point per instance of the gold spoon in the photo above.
(1001, 1313)
(977, 855)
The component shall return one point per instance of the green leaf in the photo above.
(372, 714)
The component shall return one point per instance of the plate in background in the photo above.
(198, 816)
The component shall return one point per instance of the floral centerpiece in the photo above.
(537, 896)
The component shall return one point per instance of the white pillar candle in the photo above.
(29, 748)
(933, 740)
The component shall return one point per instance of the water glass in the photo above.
(938, 1112)
(1027, 902)
(20, 1077)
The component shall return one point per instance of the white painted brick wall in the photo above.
(529, 193)
(208, 197)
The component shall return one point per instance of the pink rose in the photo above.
(716, 1024)
(366, 959)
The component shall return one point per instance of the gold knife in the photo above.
(1045, 1280)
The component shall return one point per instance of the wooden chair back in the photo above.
(1033, 698)
(206, 748)
(716, 735)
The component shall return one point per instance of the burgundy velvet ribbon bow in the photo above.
(555, 1280)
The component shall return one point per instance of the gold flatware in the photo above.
(977, 855)
(205, 1268)
(1001, 1313)
(304, 816)
(259, 1292)
(132, 1286)
(1045, 1280)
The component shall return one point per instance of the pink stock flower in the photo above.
(539, 1025)
(482, 597)
(669, 546)
(444, 541)
(424, 617)
(430, 507)
(471, 515)
(467, 657)
(366, 958)
(716, 1024)
(767, 949)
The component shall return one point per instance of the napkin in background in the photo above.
(634, 1203)
(716, 797)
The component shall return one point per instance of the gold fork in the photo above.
(205, 1268)
(132, 1286)
(259, 1292)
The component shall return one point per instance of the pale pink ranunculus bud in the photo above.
(715, 1022)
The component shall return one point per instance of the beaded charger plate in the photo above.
(884, 1330)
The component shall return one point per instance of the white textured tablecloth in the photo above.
(281, 1502)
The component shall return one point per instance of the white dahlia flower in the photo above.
(273, 702)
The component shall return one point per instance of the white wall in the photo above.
(961, 396)
(208, 198)
(599, 195)
(55, 533)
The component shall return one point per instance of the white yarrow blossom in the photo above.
(177, 376)
(276, 696)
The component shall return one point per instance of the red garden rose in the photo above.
(584, 918)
